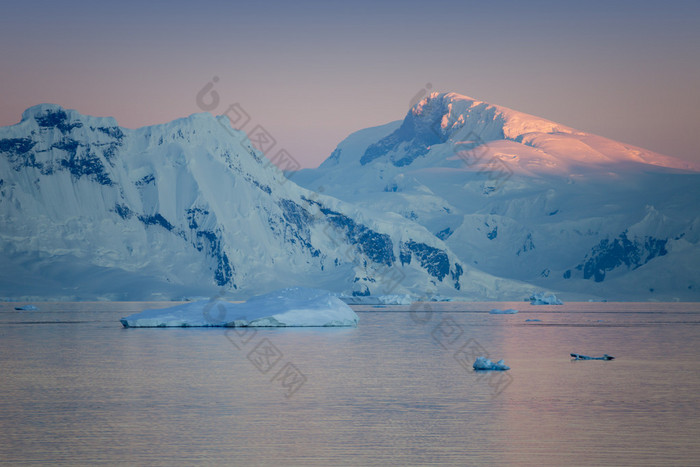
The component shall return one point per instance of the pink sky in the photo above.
(313, 72)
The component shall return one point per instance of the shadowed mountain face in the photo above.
(91, 210)
(528, 199)
(414, 138)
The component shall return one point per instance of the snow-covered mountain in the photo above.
(90, 210)
(525, 198)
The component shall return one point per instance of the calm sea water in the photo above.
(77, 388)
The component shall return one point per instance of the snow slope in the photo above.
(525, 198)
(89, 210)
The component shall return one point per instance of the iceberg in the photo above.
(509, 311)
(395, 299)
(26, 308)
(541, 299)
(483, 363)
(296, 306)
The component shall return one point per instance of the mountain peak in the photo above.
(41, 109)
(447, 121)
(458, 111)
(53, 115)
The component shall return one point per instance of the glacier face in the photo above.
(89, 210)
(524, 198)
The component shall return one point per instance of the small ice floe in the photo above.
(483, 363)
(509, 311)
(438, 298)
(578, 356)
(26, 308)
(541, 299)
(533, 320)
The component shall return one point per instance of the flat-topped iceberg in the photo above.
(483, 363)
(296, 306)
(497, 311)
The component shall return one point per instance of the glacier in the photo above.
(291, 307)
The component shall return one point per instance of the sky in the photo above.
(312, 72)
